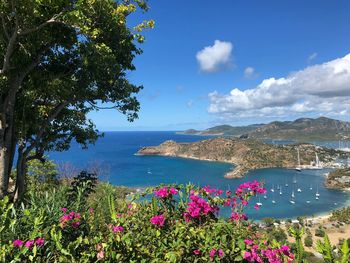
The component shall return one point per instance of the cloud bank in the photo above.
(323, 89)
(215, 57)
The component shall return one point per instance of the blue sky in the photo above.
(240, 62)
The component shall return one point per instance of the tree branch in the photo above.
(47, 22)
(4, 27)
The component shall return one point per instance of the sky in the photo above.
(239, 62)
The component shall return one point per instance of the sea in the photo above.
(115, 155)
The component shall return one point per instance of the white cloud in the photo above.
(312, 57)
(249, 72)
(319, 89)
(213, 58)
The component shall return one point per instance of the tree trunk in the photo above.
(7, 136)
(20, 174)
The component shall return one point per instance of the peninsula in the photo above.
(245, 155)
(339, 179)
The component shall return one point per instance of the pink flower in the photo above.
(248, 256)
(285, 250)
(256, 207)
(248, 242)
(40, 241)
(17, 243)
(91, 211)
(212, 253)
(100, 255)
(173, 191)
(221, 253)
(29, 243)
(117, 229)
(165, 192)
(197, 252)
(158, 220)
(64, 210)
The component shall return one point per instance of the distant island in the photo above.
(245, 155)
(303, 129)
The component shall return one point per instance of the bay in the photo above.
(116, 151)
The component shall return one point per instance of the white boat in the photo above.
(317, 193)
(273, 201)
(298, 168)
(308, 201)
(292, 202)
(259, 203)
(299, 190)
(294, 180)
(149, 171)
(310, 187)
(272, 189)
(280, 191)
(293, 194)
(317, 198)
(265, 196)
(318, 165)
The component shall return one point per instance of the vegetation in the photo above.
(341, 215)
(339, 178)
(60, 60)
(173, 224)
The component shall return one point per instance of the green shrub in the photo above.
(308, 241)
(319, 232)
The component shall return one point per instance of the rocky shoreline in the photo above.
(245, 155)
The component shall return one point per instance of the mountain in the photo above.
(321, 128)
(304, 129)
(226, 130)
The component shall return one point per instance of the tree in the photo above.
(59, 61)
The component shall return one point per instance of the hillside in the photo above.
(339, 179)
(244, 154)
(303, 129)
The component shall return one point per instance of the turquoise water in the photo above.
(116, 151)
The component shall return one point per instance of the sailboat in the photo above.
(298, 168)
(294, 180)
(317, 194)
(310, 186)
(286, 184)
(317, 165)
(273, 199)
(292, 200)
(272, 189)
(259, 203)
(149, 171)
(280, 191)
(299, 190)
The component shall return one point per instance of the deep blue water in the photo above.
(117, 152)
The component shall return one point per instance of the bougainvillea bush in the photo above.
(164, 224)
